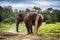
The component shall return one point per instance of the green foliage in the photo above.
(51, 15)
(43, 29)
(8, 15)
(57, 12)
(55, 31)
(49, 28)
(48, 21)
(36, 8)
(9, 20)
(4, 27)
(27, 9)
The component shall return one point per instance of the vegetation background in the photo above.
(51, 24)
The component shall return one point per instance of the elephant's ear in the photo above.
(41, 16)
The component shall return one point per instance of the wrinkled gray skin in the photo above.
(29, 20)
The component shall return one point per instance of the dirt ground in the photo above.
(12, 36)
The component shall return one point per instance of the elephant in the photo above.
(29, 20)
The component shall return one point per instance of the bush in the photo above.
(55, 31)
(9, 20)
(48, 21)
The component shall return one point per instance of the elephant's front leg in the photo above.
(17, 25)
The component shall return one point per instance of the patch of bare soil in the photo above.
(12, 36)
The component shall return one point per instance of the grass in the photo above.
(4, 27)
(49, 28)
(43, 29)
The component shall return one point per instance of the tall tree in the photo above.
(28, 9)
(50, 10)
(36, 8)
(57, 12)
(1, 13)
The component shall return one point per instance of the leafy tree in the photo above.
(57, 12)
(36, 8)
(6, 12)
(27, 9)
(50, 9)
(1, 13)
(49, 15)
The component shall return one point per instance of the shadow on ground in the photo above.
(12, 36)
